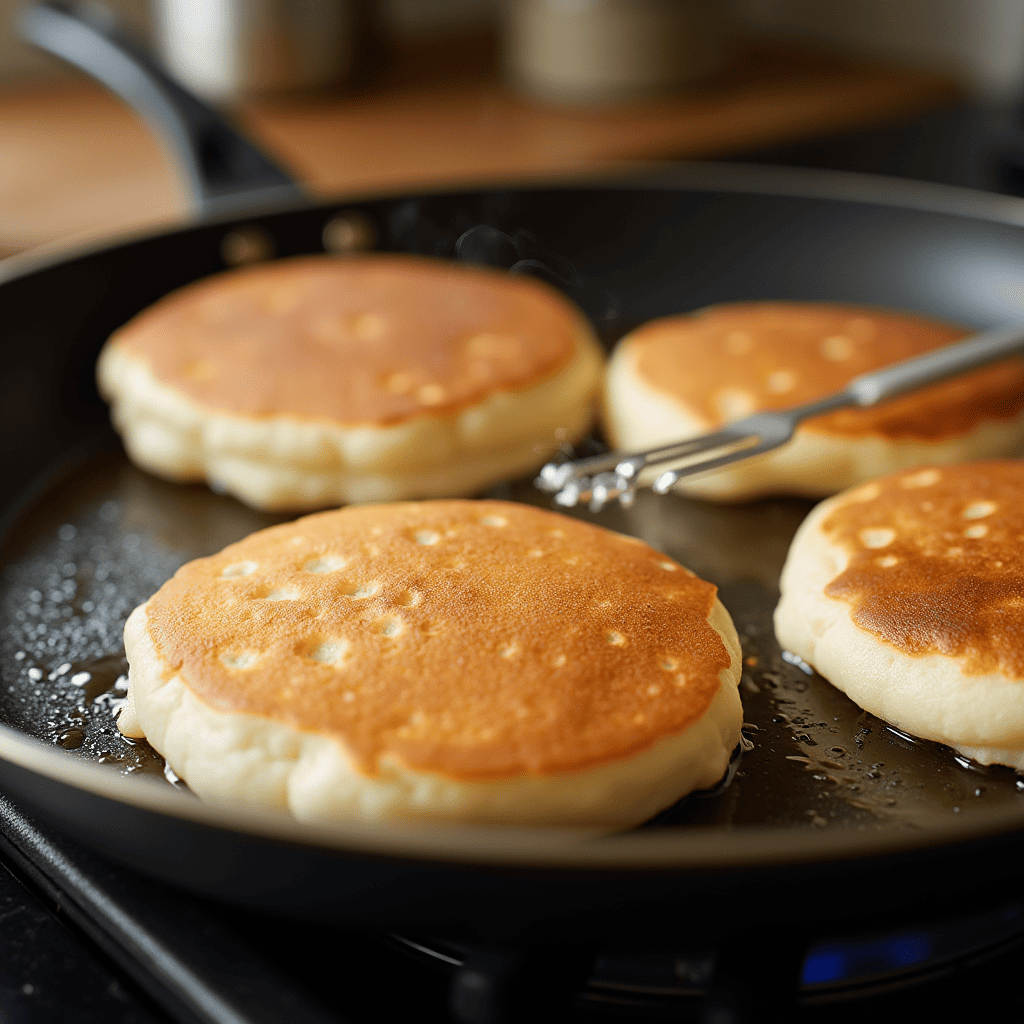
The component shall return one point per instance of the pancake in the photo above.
(317, 380)
(461, 660)
(684, 375)
(907, 593)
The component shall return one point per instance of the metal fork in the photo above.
(603, 478)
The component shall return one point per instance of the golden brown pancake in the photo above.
(908, 594)
(516, 664)
(684, 375)
(351, 377)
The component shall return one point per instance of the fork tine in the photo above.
(554, 477)
(601, 488)
(617, 475)
(671, 477)
(686, 447)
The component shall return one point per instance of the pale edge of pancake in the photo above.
(295, 463)
(638, 417)
(981, 716)
(228, 757)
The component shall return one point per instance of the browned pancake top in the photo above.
(471, 639)
(937, 563)
(727, 361)
(359, 340)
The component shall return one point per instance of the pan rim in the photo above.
(700, 176)
(683, 849)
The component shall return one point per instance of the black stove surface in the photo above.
(82, 939)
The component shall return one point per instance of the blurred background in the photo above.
(356, 96)
(363, 96)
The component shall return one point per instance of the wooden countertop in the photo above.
(77, 163)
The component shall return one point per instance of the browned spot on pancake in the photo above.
(359, 340)
(951, 579)
(727, 361)
(519, 664)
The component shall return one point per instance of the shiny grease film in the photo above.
(107, 536)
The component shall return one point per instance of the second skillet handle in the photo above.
(226, 173)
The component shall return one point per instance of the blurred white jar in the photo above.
(226, 49)
(608, 51)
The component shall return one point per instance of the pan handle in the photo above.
(226, 173)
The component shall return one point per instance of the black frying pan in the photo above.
(827, 801)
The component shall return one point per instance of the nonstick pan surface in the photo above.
(825, 795)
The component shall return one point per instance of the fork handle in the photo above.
(961, 356)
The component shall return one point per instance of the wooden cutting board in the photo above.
(74, 162)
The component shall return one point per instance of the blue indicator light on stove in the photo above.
(838, 961)
(823, 966)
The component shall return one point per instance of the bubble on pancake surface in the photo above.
(238, 569)
(331, 652)
(877, 537)
(328, 610)
(781, 381)
(837, 348)
(922, 478)
(325, 564)
(734, 403)
(391, 626)
(686, 357)
(239, 659)
(949, 584)
(979, 509)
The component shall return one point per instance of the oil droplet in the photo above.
(99, 675)
(71, 739)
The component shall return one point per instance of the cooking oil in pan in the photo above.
(64, 606)
(106, 537)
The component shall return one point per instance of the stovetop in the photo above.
(82, 939)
